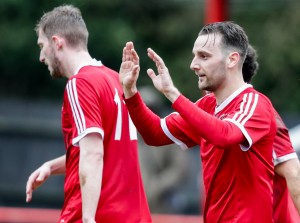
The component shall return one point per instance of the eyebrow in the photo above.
(201, 51)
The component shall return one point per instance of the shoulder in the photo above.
(208, 98)
(84, 72)
(94, 75)
(261, 96)
(254, 97)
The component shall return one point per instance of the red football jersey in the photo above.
(93, 103)
(238, 178)
(284, 208)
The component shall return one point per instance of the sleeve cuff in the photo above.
(177, 104)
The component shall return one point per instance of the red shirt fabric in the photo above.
(93, 104)
(284, 208)
(238, 178)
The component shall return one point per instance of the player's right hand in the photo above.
(36, 179)
(129, 70)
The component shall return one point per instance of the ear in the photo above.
(233, 59)
(58, 41)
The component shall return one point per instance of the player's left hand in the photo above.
(36, 179)
(162, 81)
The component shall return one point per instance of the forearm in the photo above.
(290, 170)
(294, 190)
(57, 166)
(292, 175)
(146, 122)
(172, 94)
(220, 133)
(90, 174)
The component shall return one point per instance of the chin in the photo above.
(205, 88)
(202, 86)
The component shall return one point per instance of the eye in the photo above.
(40, 46)
(203, 56)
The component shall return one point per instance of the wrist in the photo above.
(47, 165)
(128, 93)
(86, 219)
(172, 94)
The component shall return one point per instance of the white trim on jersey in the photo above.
(246, 111)
(78, 115)
(76, 140)
(94, 62)
(245, 133)
(231, 97)
(132, 129)
(75, 105)
(282, 159)
(164, 127)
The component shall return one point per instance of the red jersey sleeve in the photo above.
(254, 115)
(153, 129)
(283, 149)
(205, 125)
(85, 108)
(178, 130)
(246, 123)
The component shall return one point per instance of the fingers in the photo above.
(128, 48)
(151, 73)
(136, 70)
(34, 181)
(135, 57)
(129, 54)
(29, 188)
(156, 59)
(126, 53)
(28, 196)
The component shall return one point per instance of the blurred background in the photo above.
(30, 101)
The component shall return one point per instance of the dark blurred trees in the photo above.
(168, 26)
(273, 28)
(111, 24)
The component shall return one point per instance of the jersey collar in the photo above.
(231, 97)
(96, 63)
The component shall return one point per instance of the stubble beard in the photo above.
(204, 85)
(56, 70)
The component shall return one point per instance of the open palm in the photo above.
(162, 81)
(129, 70)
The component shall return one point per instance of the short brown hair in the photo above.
(67, 22)
(233, 36)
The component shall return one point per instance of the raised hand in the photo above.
(129, 70)
(162, 81)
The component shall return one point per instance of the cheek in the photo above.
(217, 66)
(48, 55)
(42, 53)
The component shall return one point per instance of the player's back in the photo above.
(99, 97)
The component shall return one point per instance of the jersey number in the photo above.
(132, 129)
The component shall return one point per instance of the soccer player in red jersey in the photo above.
(287, 177)
(287, 166)
(234, 124)
(102, 174)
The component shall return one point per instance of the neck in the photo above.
(75, 60)
(223, 92)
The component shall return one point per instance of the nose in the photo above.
(42, 58)
(194, 65)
